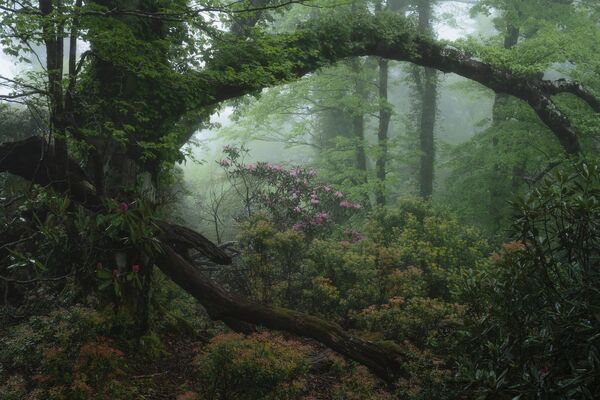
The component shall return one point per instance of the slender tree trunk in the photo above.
(52, 32)
(511, 38)
(358, 119)
(501, 100)
(382, 131)
(428, 109)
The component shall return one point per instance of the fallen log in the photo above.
(387, 362)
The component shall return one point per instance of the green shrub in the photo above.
(63, 356)
(359, 384)
(261, 366)
(537, 332)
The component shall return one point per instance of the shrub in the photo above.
(422, 321)
(261, 366)
(64, 356)
(359, 384)
(537, 333)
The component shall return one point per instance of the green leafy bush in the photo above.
(538, 330)
(261, 366)
(62, 356)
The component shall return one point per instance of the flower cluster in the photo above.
(292, 197)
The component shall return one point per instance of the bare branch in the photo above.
(36, 280)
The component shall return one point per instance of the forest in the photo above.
(299, 199)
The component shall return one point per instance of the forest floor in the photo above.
(170, 377)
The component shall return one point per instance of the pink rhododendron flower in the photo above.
(294, 172)
(123, 206)
(294, 195)
(298, 226)
(224, 163)
(314, 199)
(297, 209)
(251, 167)
(345, 204)
(311, 172)
(338, 194)
(348, 204)
(116, 273)
(321, 217)
(327, 189)
(135, 268)
(274, 167)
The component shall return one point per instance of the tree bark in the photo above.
(358, 119)
(501, 100)
(382, 131)
(511, 38)
(427, 133)
(52, 33)
(428, 109)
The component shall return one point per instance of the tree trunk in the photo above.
(428, 109)
(501, 100)
(511, 38)
(52, 33)
(358, 119)
(382, 131)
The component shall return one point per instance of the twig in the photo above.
(149, 375)
(26, 282)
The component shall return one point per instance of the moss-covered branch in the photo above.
(240, 67)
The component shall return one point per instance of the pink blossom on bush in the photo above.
(314, 199)
(123, 206)
(135, 268)
(116, 273)
(321, 217)
(345, 204)
(274, 167)
(292, 197)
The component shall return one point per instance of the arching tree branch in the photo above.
(274, 59)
